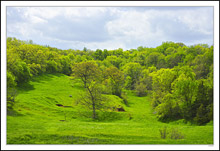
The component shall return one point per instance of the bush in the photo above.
(124, 98)
(141, 89)
(174, 133)
(201, 116)
(11, 94)
(169, 109)
(163, 132)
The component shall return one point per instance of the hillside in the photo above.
(37, 119)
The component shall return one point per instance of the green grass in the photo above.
(36, 119)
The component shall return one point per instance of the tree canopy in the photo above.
(179, 78)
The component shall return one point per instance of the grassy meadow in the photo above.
(37, 119)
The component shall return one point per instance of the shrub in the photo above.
(176, 134)
(124, 98)
(173, 133)
(201, 116)
(163, 132)
(141, 89)
(168, 109)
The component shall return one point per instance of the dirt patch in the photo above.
(120, 109)
(60, 105)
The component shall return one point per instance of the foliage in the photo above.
(11, 91)
(141, 89)
(168, 109)
(174, 133)
(163, 133)
(89, 73)
(132, 70)
(179, 77)
(86, 71)
(177, 94)
(184, 88)
(93, 99)
(115, 78)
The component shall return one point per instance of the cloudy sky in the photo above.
(110, 27)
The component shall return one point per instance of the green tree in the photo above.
(105, 53)
(141, 89)
(162, 84)
(11, 91)
(166, 45)
(201, 118)
(116, 79)
(114, 60)
(202, 64)
(52, 66)
(93, 99)
(89, 74)
(168, 109)
(35, 69)
(204, 97)
(145, 77)
(163, 79)
(156, 59)
(66, 65)
(86, 71)
(98, 55)
(173, 59)
(185, 87)
(133, 70)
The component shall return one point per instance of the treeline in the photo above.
(179, 77)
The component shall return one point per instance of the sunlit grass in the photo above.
(37, 119)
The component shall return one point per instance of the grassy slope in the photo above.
(37, 119)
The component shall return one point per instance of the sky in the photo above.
(111, 27)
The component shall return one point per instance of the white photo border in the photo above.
(214, 4)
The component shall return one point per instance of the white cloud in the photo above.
(41, 12)
(110, 27)
(200, 20)
(35, 20)
(83, 11)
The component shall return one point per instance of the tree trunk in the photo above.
(85, 86)
(94, 113)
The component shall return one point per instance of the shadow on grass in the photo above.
(12, 112)
(74, 139)
(45, 77)
(39, 79)
(53, 139)
(106, 116)
(25, 87)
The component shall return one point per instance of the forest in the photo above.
(175, 78)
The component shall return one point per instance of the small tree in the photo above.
(86, 71)
(89, 73)
(93, 99)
